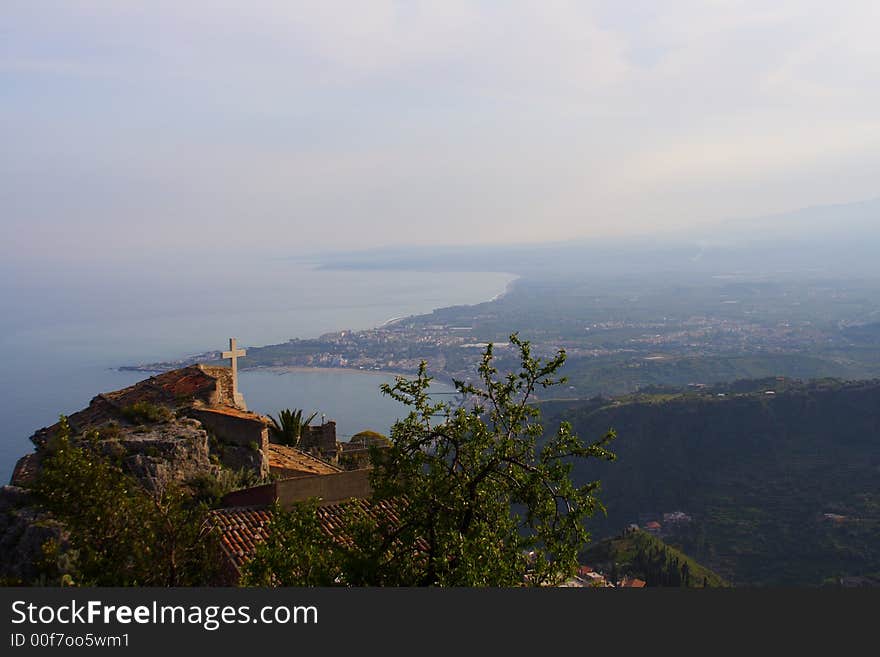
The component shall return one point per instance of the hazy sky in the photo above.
(290, 126)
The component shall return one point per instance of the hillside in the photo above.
(638, 554)
(775, 486)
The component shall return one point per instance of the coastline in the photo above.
(193, 358)
(507, 288)
(281, 370)
(289, 369)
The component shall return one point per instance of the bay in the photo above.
(66, 330)
(351, 398)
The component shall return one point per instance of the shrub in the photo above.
(144, 412)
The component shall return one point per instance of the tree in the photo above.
(297, 551)
(482, 498)
(120, 534)
(288, 428)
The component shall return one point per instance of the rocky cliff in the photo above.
(150, 432)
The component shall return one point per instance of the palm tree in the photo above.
(288, 428)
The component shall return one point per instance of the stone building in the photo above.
(169, 426)
(187, 423)
(320, 440)
(286, 462)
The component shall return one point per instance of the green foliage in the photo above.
(756, 472)
(297, 551)
(109, 431)
(120, 534)
(288, 427)
(367, 442)
(144, 412)
(481, 494)
(477, 502)
(370, 438)
(209, 489)
(638, 554)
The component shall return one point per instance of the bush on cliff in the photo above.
(120, 534)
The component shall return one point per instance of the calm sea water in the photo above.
(65, 330)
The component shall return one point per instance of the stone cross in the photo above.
(234, 354)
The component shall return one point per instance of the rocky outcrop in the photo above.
(174, 391)
(164, 453)
(174, 451)
(167, 428)
(172, 428)
(24, 531)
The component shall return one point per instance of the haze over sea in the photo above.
(64, 333)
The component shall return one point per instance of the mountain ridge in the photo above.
(781, 483)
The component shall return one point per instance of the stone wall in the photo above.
(354, 458)
(240, 429)
(329, 489)
(320, 439)
(244, 438)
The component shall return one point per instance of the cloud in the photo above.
(366, 123)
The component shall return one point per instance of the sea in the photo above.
(67, 328)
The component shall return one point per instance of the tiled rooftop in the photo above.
(196, 383)
(289, 461)
(243, 528)
(231, 411)
(632, 583)
(192, 382)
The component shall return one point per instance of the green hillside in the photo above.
(780, 481)
(636, 553)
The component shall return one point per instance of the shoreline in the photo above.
(291, 368)
(506, 290)
(280, 370)
(497, 297)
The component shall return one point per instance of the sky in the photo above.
(156, 127)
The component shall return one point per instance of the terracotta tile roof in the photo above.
(332, 516)
(632, 583)
(231, 411)
(243, 528)
(187, 382)
(173, 386)
(289, 461)
(196, 383)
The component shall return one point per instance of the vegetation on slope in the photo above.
(638, 554)
(782, 488)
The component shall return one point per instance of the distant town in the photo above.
(610, 349)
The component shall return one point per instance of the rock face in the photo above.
(23, 533)
(171, 428)
(160, 454)
(168, 427)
